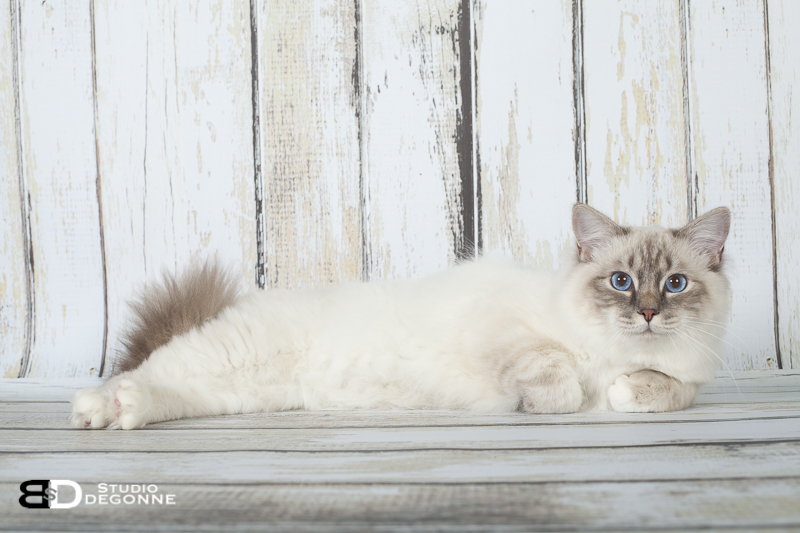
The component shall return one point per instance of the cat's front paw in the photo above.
(553, 398)
(622, 397)
(133, 404)
(90, 409)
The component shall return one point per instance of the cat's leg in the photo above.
(649, 391)
(186, 379)
(548, 382)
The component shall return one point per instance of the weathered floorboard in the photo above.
(635, 140)
(54, 415)
(525, 129)
(365, 439)
(711, 467)
(508, 507)
(435, 464)
(784, 78)
(730, 143)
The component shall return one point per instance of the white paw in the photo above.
(90, 409)
(134, 404)
(621, 396)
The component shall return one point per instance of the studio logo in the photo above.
(43, 494)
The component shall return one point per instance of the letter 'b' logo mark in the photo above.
(46, 491)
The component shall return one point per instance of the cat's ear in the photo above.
(706, 234)
(593, 230)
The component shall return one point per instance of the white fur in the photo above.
(475, 337)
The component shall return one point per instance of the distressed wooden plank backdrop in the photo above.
(333, 140)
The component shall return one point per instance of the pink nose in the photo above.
(648, 314)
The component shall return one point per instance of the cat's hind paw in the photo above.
(90, 409)
(133, 404)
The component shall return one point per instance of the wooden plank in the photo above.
(716, 461)
(522, 437)
(58, 142)
(731, 159)
(411, 75)
(635, 140)
(14, 314)
(751, 384)
(50, 415)
(606, 506)
(524, 129)
(309, 104)
(175, 142)
(784, 78)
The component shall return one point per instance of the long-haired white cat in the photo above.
(633, 325)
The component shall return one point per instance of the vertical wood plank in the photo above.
(309, 106)
(784, 76)
(175, 148)
(730, 140)
(635, 140)
(13, 282)
(525, 129)
(411, 116)
(56, 106)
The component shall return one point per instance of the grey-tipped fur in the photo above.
(173, 307)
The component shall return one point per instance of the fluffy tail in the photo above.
(172, 307)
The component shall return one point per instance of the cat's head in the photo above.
(650, 285)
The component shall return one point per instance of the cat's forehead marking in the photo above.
(649, 256)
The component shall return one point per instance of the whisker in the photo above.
(700, 344)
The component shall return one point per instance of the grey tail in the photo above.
(172, 307)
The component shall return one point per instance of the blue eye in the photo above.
(621, 281)
(676, 283)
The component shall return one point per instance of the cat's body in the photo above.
(486, 335)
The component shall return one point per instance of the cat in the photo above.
(633, 325)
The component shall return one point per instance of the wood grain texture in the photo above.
(730, 143)
(718, 505)
(525, 129)
(401, 471)
(546, 437)
(175, 149)
(309, 130)
(635, 141)
(60, 172)
(410, 118)
(49, 415)
(784, 77)
(14, 313)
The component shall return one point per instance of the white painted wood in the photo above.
(784, 62)
(525, 129)
(723, 461)
(278, 439)
(309, 141)
(60, 171)
(411, 100)
(13, 293)
(634, 473)
(704, 505)
(730, 143)
(175, 142)
(635, 141)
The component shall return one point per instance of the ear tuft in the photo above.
(593, 230)
(706, 234)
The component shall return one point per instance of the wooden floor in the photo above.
(732, 462)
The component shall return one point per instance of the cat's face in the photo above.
(653, 284)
